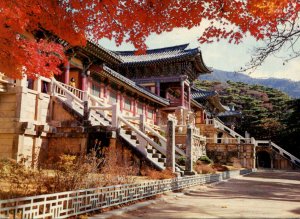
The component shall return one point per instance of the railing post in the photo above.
(51, 89)
(170, 152)
(22, 82)
(142, 123)
(115, 115)
(215, 138)
(189, 151)
(37, 84)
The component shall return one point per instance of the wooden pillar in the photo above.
(157, 88)
(182, 93)
(83, 82)
(67, 73)
(189, 97)
(145, 111)
(170, 153)
(120, 100)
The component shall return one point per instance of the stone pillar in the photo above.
(252, 141)
(170, 153)
(182, 93)
(37, 85)
(189, 151)
(115, 115)
(142, 123)
(67, 73)
(86, 112)
(22, 82)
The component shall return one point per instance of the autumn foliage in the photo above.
(25, 46)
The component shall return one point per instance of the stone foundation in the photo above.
(232, 154)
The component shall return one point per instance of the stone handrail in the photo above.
(281, 151)
(218, 124)
(77, 92)
(230, 140)
(164, 140)
(58, 88)
(97, 101)
(200, 137)
(143, 135)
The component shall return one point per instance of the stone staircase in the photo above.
(221, 126)
(294, 160)
(148, 142)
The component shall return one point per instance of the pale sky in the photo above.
(219, 55)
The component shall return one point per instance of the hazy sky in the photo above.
(220, 55)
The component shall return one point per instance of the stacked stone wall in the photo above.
(232, 154)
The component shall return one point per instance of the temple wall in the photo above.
(67, 136)
(25, 130)
(21, 112)
(276, 160)
(235, 154)
(211, 134)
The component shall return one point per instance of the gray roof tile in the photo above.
(134, 85)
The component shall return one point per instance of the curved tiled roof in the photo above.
(135, 86)
(102, 52)
(162, 55)
(230, 113)
(212, 96)
(202, 94)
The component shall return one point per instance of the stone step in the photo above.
(151, 151)
(162, 160)
(158, 155)
(133, 136)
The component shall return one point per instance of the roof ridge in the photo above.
(203, 90)
(181, 47)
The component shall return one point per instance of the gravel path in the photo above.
(258, 195)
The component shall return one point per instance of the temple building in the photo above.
(144, 105)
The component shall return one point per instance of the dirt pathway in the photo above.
(262, 194)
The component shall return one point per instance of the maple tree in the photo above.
(25, 48)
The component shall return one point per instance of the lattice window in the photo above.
(112, 97)
(150, 113)
(140, 109)
(127, 104)
(95, 90)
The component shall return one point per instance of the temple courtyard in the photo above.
(264, 194)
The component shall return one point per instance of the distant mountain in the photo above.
(290, 87)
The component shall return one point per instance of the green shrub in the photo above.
(181, 161)
(205, 159)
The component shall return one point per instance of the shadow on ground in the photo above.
(261, 187)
